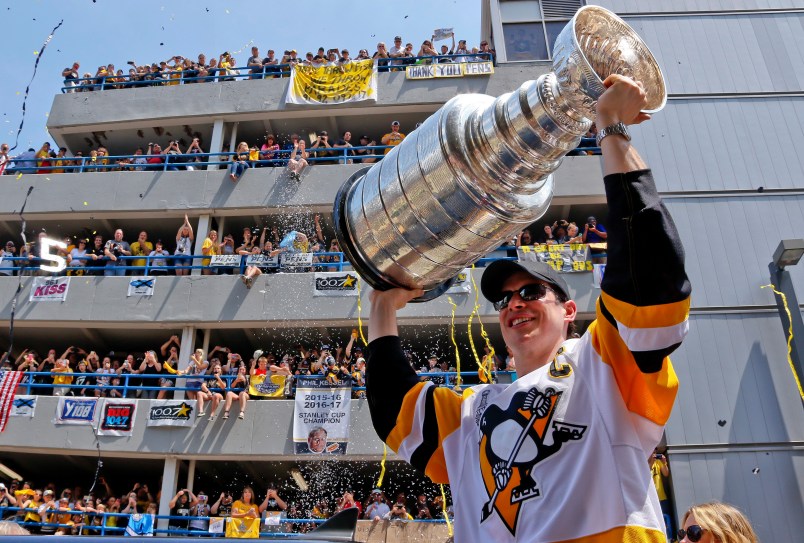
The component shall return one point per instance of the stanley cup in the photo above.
(479, 170)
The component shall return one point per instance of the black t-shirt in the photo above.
(98, 251)
(83, 380)
(181, 510)
(224, 510)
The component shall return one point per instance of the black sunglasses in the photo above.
(694, 533)
(528, 293)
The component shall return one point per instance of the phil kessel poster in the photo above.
(321, 420)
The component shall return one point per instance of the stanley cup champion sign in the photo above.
(480, 169)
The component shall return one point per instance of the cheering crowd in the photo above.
(89, 253)
(179, 69)
(42, 511)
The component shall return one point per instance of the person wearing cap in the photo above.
(393, 138)
(595, 233)
(377, 508)
(6, 266)
(319, 146)
(397, 52)
(365, 141)
(594, 407)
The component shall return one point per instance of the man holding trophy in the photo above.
(558, 455)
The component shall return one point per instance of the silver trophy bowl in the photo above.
(479, 169)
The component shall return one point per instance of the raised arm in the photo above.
(393, 390)
(644, 302)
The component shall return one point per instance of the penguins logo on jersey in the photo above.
(512, 442)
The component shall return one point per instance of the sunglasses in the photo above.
(693, 533)
(528, 293)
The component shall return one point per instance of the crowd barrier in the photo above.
(287, 528)
(191, 161)
(95, 523)
(174, 162)
(129, 389)
(176, 77)
(149, 268)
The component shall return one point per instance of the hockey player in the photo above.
(558, 455)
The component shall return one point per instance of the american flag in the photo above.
(8, 387)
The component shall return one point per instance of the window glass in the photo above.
(525, 41)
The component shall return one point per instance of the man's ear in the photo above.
(571, 311)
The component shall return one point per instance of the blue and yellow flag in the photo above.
(272, 386)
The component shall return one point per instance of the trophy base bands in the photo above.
(374, 278)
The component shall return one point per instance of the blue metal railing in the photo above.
(176, 161)
(96, 522)
(149, 266)
(125, 387)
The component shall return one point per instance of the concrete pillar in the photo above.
(233, 138)
(205, 341)
(185, 350)
(200, 235)
(170, 479)
(216, 143)
(190, 475)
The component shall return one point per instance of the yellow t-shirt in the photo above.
(63, 378)
(394, 139)
(658, 481)
(140, 250)
(175, 77)
(32, 516)
(241, 508)
(213, 249)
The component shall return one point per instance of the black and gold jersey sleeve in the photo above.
(643, 309)
(411, 416)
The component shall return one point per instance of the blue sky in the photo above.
(115, 31)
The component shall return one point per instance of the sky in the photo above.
(99, 32)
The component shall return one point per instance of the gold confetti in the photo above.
(19, 175)
(86, 203)
(36, 52)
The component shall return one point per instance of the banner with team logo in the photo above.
(83, 411)
(141, 286)
(263, 261)
(448, 69)
(566, 258)
(23, 406)
(321, 417)
(267, 386)
(355, 81)
(229, 261)
(171, 413)
(116, 416)
(335, 284)
(243, 528)
(49, 289)
(462, 283)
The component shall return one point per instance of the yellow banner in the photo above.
(448, 69)
(565, 258)
(351, 82)
(243, 528)
(262, 385)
